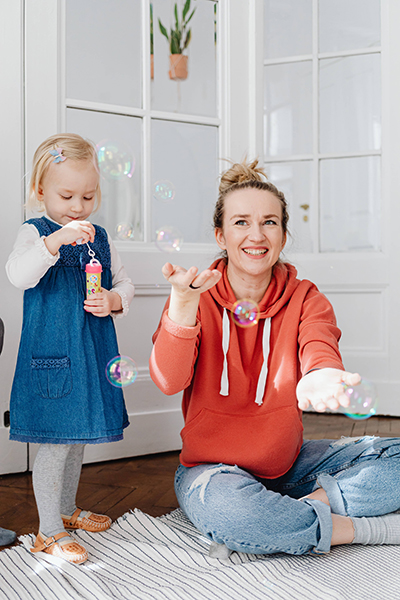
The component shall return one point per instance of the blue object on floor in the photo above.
(7, 537)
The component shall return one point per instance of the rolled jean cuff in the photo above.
(332, 490)
(325, 525)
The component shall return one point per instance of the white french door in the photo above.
(85, 67)
(331, 143)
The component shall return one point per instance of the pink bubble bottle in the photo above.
(93, 277)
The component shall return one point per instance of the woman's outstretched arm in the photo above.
(177, 337)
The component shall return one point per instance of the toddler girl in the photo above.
(60, 397)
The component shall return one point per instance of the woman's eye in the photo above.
(270, 222)
(241, 222)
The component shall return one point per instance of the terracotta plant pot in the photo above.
(178, 66)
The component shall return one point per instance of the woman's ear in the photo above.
(284, 241)
(219, 237)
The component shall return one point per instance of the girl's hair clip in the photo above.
(58, 155)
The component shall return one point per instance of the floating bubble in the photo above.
(121, 371)
(124, 231)
(363, 400)
(115, 160)
(169, 239)
(245, 312)
(164, 191)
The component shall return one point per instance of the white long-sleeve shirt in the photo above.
(30, 260)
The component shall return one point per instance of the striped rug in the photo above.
(166, 558)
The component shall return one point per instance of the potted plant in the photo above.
(178, 40)
(151, 42)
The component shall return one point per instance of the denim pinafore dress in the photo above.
(60, 392)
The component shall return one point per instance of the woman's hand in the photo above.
(103, 303)
(187, 286)
(182, 279)
(70, 233)
(323, 388)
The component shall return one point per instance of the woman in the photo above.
(247, 480)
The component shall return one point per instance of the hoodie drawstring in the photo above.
(262, 378)
(225, 345)
(224, 391)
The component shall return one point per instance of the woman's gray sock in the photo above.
(219, 551)
(377, 530)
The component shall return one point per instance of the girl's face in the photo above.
(68, 190)
(252, 232)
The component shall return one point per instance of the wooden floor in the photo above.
(146, 482)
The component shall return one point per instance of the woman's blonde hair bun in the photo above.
(243, 175)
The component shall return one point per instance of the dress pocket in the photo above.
(51, 377)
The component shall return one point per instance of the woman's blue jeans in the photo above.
(361, 477)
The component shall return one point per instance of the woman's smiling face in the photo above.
(252, 232)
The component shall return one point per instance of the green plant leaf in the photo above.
(175, 43)
(191, 15)
(151, 30)
(163, 30)
(176, 17)
(185, 9)
(188, 38)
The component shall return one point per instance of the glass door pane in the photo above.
(188, 83)
(119, 139)
(350, 103)
(294, 179)
(184, 180)
(287, 28)
(350, 204)
(288, 109)
(103, 51)
(345, 25)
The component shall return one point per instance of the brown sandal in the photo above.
(88, 521)
(68, 549)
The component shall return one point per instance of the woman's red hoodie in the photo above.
(240, 406)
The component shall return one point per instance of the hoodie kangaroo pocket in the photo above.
(51, 377)
(265, 444)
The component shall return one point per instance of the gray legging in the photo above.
(55, 479)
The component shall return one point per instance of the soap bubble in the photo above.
(121, 371)
(115, 160)
(169, 239)
(164, 191)
(245, 312)
(124, 231)
(363, 400)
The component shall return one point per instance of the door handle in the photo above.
(305, 207)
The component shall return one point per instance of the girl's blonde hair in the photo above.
(241, 176)
(74, 147)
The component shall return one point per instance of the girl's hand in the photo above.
(187, 282)
(323, 388)
(78, 230)
(103, 303)
(69, 234)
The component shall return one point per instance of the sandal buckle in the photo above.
(51, 543)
